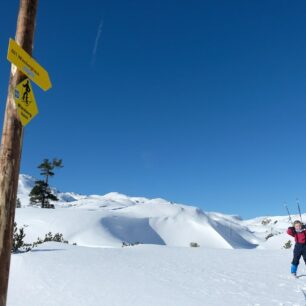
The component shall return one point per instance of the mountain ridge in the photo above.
(113, 218)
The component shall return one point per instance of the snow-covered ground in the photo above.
(152, 275)
(234, 265)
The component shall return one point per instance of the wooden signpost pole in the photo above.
(11, 146)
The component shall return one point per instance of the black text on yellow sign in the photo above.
(27, 64)
(25, 102)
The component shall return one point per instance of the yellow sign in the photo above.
(28, 65)
(25, 102)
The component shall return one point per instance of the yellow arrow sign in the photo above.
(28, 65)
(25, 102)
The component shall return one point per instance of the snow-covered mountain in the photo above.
(109, 220)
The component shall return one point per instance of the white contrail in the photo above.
(94, 51)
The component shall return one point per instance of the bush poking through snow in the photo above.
(18, 244)
(18, 203)
(269, 236)
(125, 244)
(288, 245)
(265, 221)
(49, 237)
(194, 245)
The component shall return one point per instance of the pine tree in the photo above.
(41, 192)
(47, 167)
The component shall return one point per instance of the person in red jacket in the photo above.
(298, 231)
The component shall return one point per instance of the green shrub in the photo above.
(18, 244)
(288, 245)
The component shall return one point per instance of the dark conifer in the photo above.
(41, 192)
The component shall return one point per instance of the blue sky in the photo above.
(198, 102)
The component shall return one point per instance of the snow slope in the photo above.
(61, 275)
(114, 218)
(108, 220)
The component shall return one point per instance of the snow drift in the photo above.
(109, 220)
